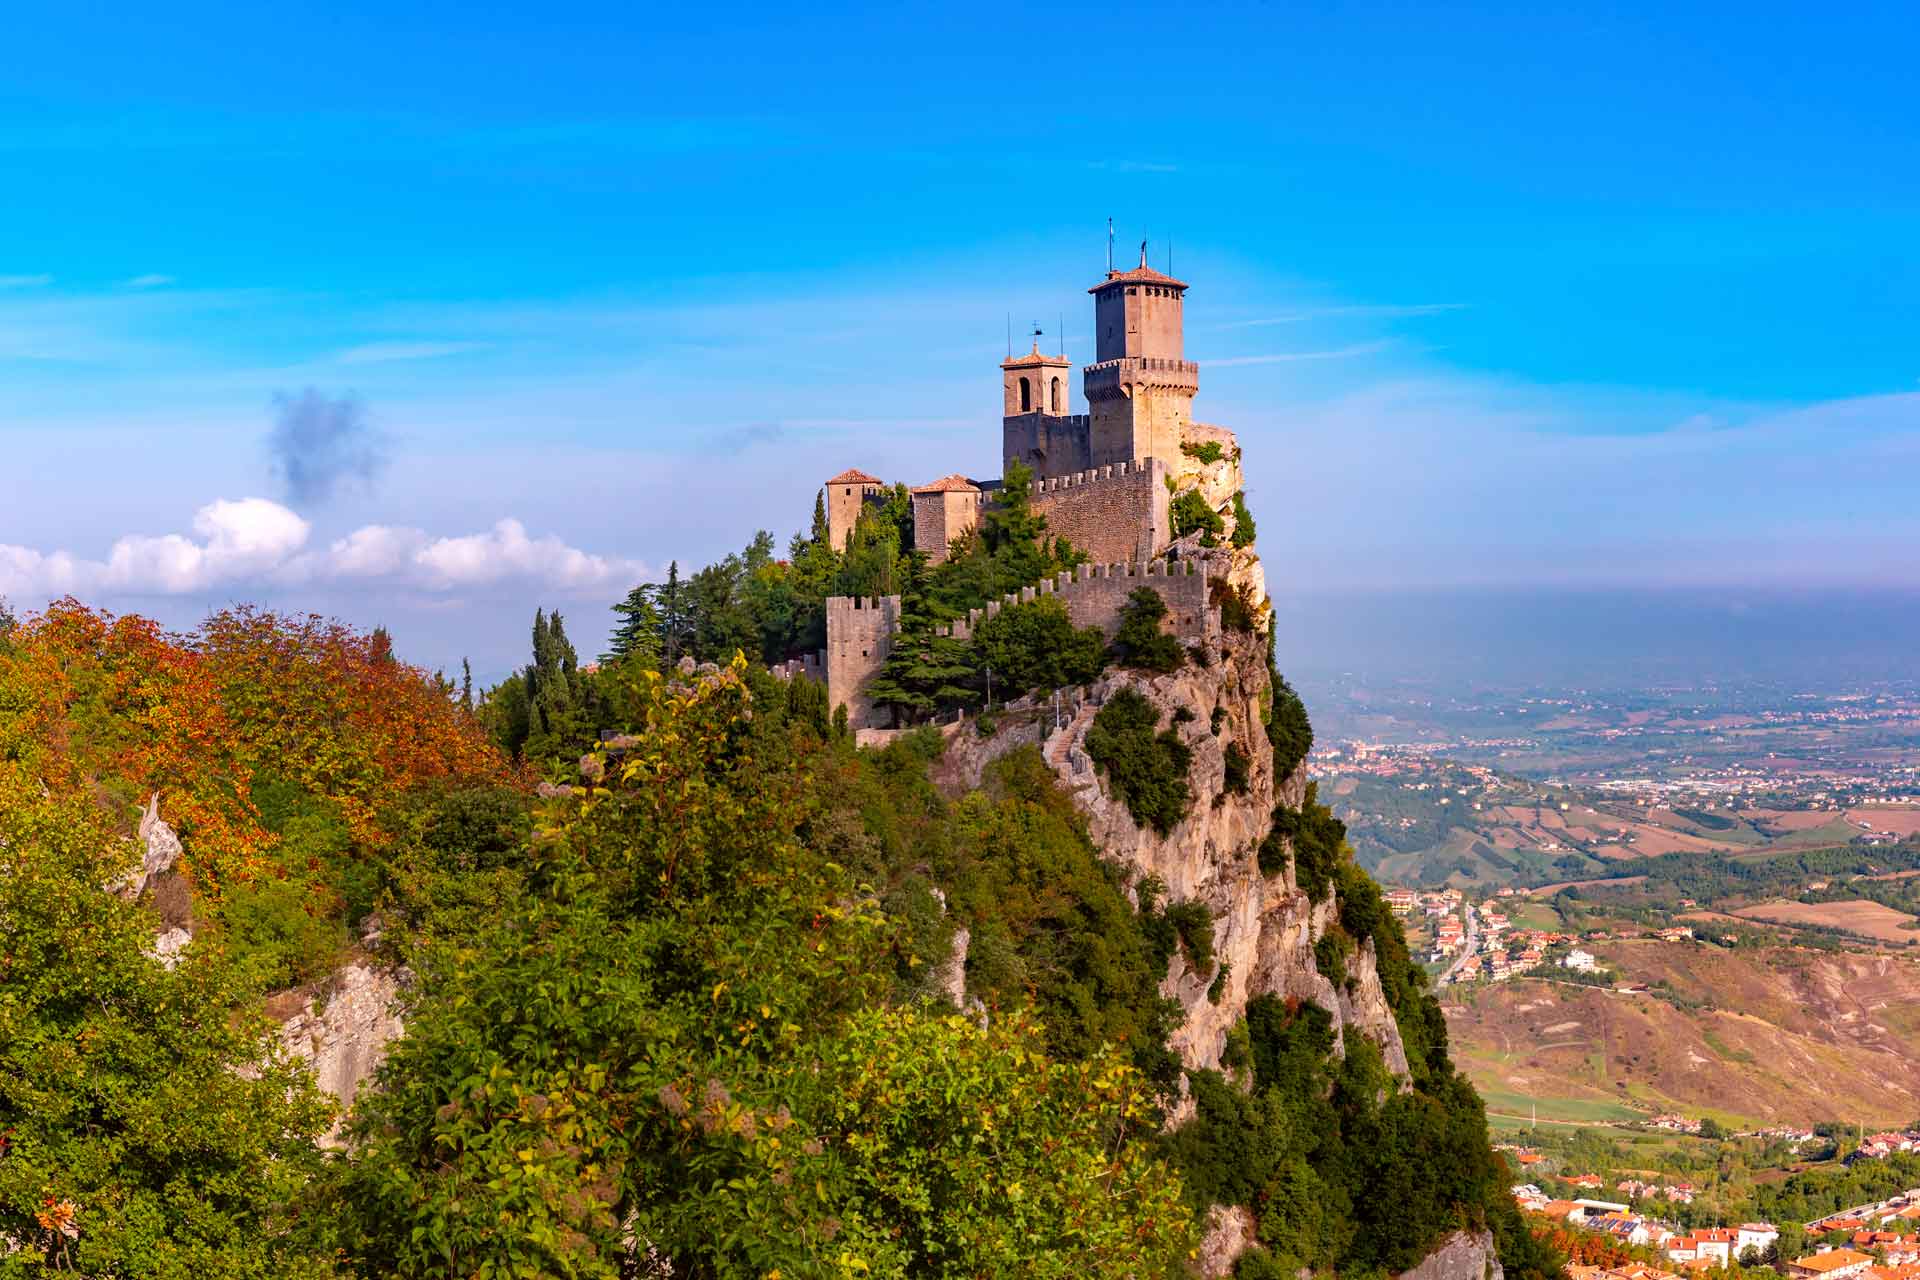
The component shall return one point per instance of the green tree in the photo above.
(680, 1037)
(1034, 645)
(146, 1129)
(1139, 641)
(1146, 767)
(638, 636)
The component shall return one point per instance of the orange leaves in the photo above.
(121, 706)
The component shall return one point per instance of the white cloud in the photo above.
(152, 280)
(25, 282)
(257, 543)
(383, 352)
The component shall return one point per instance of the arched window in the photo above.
(1056, 396)
(1026, 396)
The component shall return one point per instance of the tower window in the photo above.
(1056, 395)
(1026, 396)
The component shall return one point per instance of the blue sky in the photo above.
(1496, 297)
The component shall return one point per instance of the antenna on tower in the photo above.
(1109, 246)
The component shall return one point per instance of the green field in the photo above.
(1575, 1110)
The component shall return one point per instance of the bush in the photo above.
(1316, 836)
(1139, 642)
(1193, 924)
(1288, 728)
(1147, 770)
(1034, 645)
(1190, 512)
(1206, 452)
(1239, 769)
(1242, 521)
(1330, 956)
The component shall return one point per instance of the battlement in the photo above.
(1093, 475)
(1095, 593)
(1107, 378)
(811, 665)
(1115, 513)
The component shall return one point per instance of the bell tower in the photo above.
(1140, 386)
(1037, 427)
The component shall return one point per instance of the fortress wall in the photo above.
(1095, 593)
(1115, 513)
(1053, 445)
(859, 637)
(811, 665)
(939, 518)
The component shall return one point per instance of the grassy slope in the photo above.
(1779, 1035)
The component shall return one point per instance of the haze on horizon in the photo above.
(428, 324)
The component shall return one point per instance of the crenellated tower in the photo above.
(1140, 387)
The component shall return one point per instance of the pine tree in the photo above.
(820, 530)
(466, 684)
(673, 616)
(638, 637)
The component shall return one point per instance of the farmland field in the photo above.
(1867, 919)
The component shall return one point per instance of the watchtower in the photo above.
(1036, 428)
(1140, 387)
(847, 493)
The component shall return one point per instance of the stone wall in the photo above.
(1095, 593)
(859, 637)
(1115, 513)
(1051, 444)
(940, 517)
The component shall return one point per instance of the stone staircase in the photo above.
(1060, 744)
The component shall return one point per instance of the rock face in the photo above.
(344, 1032)
(1229, 1233)
(1464, 1255)
(1264, 926)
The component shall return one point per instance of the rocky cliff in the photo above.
(1264, 926)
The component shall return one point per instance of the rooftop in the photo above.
(1034, 357)
(853, 475)
(1142, 274)
(955, 483)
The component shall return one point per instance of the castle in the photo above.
(1105, 480)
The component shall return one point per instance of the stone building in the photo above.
(1104, 480)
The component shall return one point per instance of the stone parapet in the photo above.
(1114, 514)
(1095, 593)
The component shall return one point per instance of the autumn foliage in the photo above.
(121, 707)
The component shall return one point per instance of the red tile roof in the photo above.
(853, 475)
(955, 483)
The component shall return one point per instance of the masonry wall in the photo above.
(1095, 593)
(1115, 513)
(1052, 444)
(844, 502)
(859, 637)
(939, 518)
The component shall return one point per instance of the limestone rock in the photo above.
(950, 979)
(1463, 1255)
(1229, 1233)
(160, 850)
(168, 945)
(345, 1031)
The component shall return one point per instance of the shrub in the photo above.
(1330, 956)
(1191, 512)
(1147, 770)
(1239, 768)
(1140, 642)
(1208, 451)
(1193, 924)
(1217, 989)
(1288, 728)
(1034, 645)
(1237, 611)
(1316, 836)
(1242, 521)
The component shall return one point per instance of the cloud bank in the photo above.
(256, 543)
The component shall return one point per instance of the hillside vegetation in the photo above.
(695, 1001)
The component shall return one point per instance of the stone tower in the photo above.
(1036, 427)
(847, 493)
(859, 638)
(942, 511)
(1140, 386)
